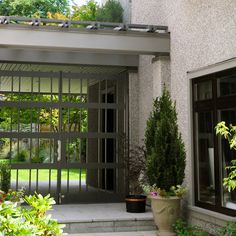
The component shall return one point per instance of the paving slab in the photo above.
(72, 213)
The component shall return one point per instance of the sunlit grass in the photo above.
(43, 174)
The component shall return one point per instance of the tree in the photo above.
(33, 8)
(112, 11)
(164, 145)
(86, 12)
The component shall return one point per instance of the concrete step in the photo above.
(113, 225)
(102, 218)
(139, 233)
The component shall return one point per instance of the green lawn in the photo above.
(43, 174)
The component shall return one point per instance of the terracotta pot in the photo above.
(135, 203)
(165, 212)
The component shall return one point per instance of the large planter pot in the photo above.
(135, 203)
(165, 212)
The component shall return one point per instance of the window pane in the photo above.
(227, 85)
(203, 90)
(205, 157)
(227, 154)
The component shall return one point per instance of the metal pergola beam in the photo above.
(72, 58)
(82, 40)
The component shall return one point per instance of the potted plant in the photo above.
(135, 201)
(134, 158)
(165, 164)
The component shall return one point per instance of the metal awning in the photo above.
(75, 42)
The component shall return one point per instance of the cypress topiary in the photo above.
(164, 145)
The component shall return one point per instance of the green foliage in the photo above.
(12, 195)
(33, 8)
(12, 223)
(40, 155)
(181, 228)
(5, 175)
(111, 11)
(229, 133)
(31, 220)
(228, 230)
(86, 12)
(22, 156)
(164, 145)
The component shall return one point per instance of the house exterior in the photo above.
(64, 106)
(200, 72)
(114, 84)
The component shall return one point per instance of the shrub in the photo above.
(5, 175)
(228, 230)
(40, 155)
(31, 220)
(21, 156)
(181, 228)
(164, 146)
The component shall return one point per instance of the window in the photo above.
(214, 100)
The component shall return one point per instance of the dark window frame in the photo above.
(214, 104)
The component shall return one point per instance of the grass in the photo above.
(43, 174)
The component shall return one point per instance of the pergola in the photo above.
(75, 42)
(80, 69)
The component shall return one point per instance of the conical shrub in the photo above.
(164, 145)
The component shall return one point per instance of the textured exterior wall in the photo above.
(202, 33)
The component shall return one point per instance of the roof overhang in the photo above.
(74, 45)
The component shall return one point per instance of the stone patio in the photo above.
(103, 219)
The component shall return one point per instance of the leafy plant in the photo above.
(228, 230)
(164, 146)
(181, 228)
(178, 191)
(5, 175)
(86, 12)
(229, 133)
(21, 156)
(13, 223)
(31, 220)
(12, 195)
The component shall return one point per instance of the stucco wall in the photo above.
(202, 33)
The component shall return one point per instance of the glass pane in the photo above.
(45, 85)
(15, 84)
(75, 86)
(25, 85)
(227, 85)
(205, 157)
(5, 83)
(227, 154)
(203, 90)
